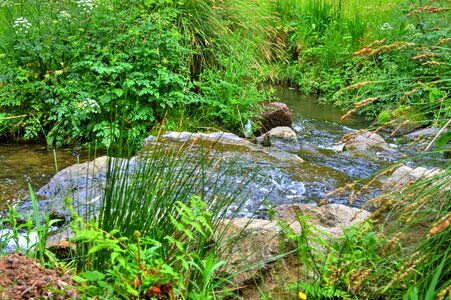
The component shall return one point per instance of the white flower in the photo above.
(386, 26)
(6, 3)
(87, 5)
(410, 28)
(90, 106)
(21, 24)
(64, 16)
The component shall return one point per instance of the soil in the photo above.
(22, 278)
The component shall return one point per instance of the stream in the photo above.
(32, 164)
(324, 169)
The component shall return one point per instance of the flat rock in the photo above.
(330, 218)
(262, 241)
(219, 137)
(425, 132)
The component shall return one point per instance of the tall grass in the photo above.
(212, 29)
(173, 199)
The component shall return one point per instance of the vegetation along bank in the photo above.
(76, 72)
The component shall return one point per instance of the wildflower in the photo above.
(64, 16)
(87, 5)
(386, 26)
(302, 296)
(6, 3)
(58, 72)
(90, 106)
(410, 28)
(21, 24)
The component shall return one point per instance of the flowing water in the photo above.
(279, 178)
(318, 128)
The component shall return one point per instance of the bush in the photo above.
(71, 71)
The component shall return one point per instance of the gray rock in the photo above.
(82, 183)
(370, 145)
(262, 241)
(401, 127)
(215, 137)
(422, 133)
(330, 218)
(280, 137)
(404, 175)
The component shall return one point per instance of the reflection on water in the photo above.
(305, 107)
(34, 164)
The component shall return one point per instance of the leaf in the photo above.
(119, 92)
(443, 140)
(431, 293)
(93, 275)
(78, 279)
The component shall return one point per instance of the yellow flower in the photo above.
(302, 296)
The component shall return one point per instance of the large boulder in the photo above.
(370, 145)
(282, 137)
(274, 114)
(83, 183)
(330, 218)
(262, 241)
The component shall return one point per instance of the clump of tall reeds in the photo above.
(163, 212)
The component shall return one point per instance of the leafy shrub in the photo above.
(73, 70)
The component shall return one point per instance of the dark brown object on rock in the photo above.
(274, 114)
(22, 278)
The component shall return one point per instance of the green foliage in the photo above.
(212, 29)
(316, 291)
(400, 253)
(409, 67)
(140, 267)
(27, 234)
(230, 95)
(408, 64)
(383, 117)
(175, 245)
(69, 71)
(429, 229)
